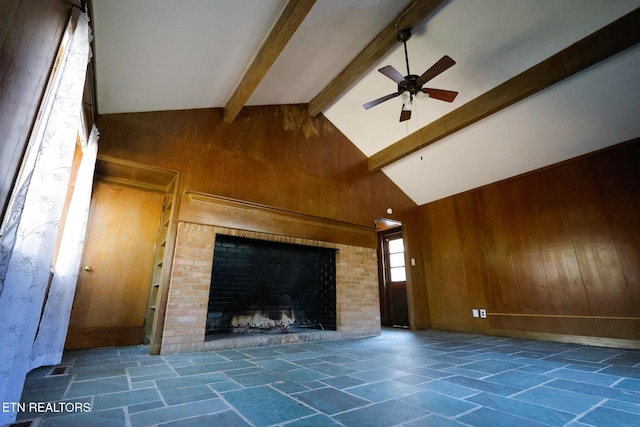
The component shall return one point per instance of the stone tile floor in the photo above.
(400, 378)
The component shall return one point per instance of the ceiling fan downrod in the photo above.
(403, 36)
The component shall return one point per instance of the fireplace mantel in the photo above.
(208, 209)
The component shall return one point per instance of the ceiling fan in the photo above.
(411, 85)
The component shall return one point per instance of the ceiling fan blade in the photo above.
(380, 100)
(444, 63)
(392, 73)
(405, 113)
(441, 94)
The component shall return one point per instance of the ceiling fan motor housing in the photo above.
(410, 84)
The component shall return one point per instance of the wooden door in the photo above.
(394, 306)
(113, 286)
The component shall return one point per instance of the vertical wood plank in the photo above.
(30, 32)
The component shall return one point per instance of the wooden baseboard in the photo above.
(573, 339)
(103, 337)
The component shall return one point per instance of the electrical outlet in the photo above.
(483, 313)
(474, 312)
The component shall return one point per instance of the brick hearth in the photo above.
(358, 308)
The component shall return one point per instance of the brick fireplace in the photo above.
(356, 282)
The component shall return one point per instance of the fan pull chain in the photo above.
(417, 115)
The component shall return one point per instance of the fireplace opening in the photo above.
(266, 287)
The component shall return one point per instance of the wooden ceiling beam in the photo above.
(609, 40)
(290, 19)
(409, 17)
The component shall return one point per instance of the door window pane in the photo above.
(396, 260)
(396, 245)
(398, 274)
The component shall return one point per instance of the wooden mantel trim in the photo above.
(207, 209)
(292, 16)
(409, 17)
(609, 40)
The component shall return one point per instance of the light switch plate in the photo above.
(474, 312)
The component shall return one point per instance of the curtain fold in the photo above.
(28, 246)
(52, 332)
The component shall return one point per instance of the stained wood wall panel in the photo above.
(471, 230)
(555, 251)
(501, 291)
(277, 156)
(30, 33)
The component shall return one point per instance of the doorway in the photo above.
(111, 294)
(121, 290)
(394, 307)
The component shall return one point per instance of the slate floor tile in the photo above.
(90, 372)
(110, 418)
(622, 371)
(491, 387)
(434, 420)
(438, 403)
(585, 377)
(628, 384)
(343, 381)
(145, 371)
(518, 379)
(303, 375)
(623, 406)
(213, 367)
(124, 398)
(562, 400)
(180, 382)
(177, 412)
(603, 416)
(382, 390)
(264, 406)
(256, 378)
(519, 408)
(330, 401)
(490, 418)
(188, 394)
(96, 387)
(596, 390)
(331, 369)
(39, 383)
(385, 414)
(313, 421)
(448, 388)
(492, 366)
(220, 419)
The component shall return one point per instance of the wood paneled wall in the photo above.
(277, 156)
(30, 34)
(555, 251)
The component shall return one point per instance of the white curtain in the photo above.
(52, 332)
(28, 244)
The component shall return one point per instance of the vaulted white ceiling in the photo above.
(166, 55)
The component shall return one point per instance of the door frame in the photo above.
(386, 318)
(154, 178)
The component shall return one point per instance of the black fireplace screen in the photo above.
(264, 286)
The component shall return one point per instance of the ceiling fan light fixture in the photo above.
(405, 97)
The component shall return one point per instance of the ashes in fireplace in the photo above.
(261, 286)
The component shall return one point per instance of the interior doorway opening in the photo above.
(394, 308)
